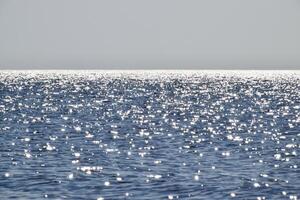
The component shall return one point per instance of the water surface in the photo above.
(149, 135)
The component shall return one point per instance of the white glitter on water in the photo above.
(159, 126)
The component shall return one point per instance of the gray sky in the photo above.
(150, 34)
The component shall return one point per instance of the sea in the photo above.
(149, 135)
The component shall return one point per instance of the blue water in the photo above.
(100, 135)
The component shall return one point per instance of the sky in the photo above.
(150, 34)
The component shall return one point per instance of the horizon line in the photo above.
(150, 69)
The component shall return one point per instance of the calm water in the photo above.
(149, 135)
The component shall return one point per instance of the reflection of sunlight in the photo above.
(175, 134)
(149, 74)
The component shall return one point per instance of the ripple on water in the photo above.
(149, 135)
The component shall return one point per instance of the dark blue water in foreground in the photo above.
(186, 136)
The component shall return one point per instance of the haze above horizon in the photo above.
(156, 34)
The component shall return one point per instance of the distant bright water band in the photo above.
(149, 135)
